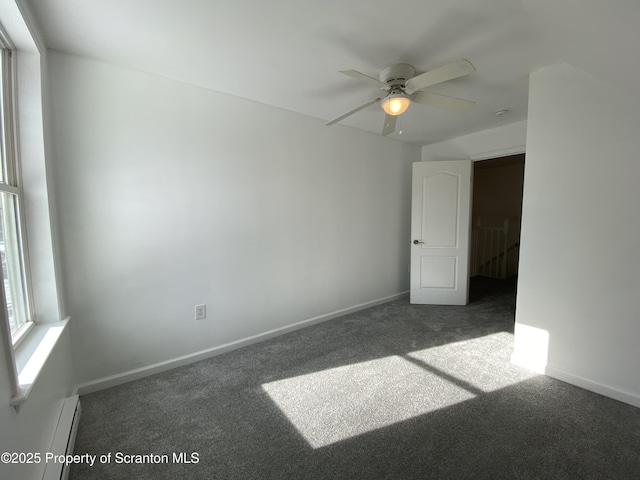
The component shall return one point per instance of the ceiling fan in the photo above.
(402, 88)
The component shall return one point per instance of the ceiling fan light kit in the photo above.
(396, 103)
(403, 88)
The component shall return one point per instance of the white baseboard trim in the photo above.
(138, 373)
(606, 390)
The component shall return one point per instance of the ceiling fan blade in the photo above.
(389, 124)
(365, 78)
(452, 70)
(355, 110)
(444, 102)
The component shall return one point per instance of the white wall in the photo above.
(171, 195)
(577, 312)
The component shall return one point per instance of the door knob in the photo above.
(418, 242)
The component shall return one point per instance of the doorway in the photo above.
(496, 222)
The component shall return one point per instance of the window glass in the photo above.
(12, 267)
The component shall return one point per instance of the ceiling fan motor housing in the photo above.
(397, 75)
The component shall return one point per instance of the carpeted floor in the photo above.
(398, 392)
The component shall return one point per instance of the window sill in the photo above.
(21, 334)
(31, 356)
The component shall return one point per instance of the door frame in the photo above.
(475, 155)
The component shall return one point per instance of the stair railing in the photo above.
(489, 250)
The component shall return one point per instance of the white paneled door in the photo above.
(440, 222)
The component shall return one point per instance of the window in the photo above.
(24, 214)
(13, 288)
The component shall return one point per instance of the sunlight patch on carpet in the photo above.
(481, 364)
(340, 403)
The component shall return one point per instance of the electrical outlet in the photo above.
(201, 311)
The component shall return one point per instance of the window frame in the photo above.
(10, 182)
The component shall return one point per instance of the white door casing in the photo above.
(440, 227)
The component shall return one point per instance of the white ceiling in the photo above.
(287, 53)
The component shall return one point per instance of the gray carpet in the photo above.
(398, 391)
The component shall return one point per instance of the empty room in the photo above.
(319, 240)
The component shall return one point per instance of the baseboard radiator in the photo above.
(64, 438)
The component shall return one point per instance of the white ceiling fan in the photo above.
(402, 88)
